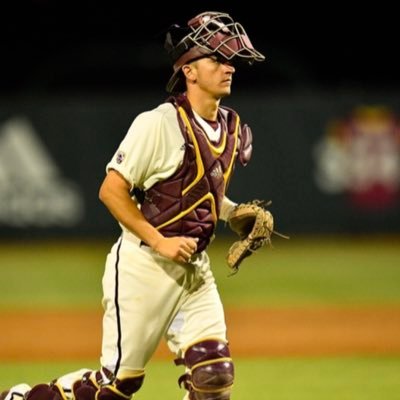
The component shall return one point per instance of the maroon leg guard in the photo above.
(121, 388)
(92, 387)
(85, 389)
(211, 371)
(43, 392)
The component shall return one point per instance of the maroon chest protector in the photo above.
(189, 202)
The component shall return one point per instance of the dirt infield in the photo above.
(70, 335)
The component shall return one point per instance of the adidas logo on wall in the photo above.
(33, 192)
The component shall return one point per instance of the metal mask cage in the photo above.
(217, 32)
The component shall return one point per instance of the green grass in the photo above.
(296, 272)
(52, 273)
(299, 272)
(314, 271)
(361, 378)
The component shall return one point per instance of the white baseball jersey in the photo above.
(146, 296)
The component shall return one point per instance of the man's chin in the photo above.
(225, 92)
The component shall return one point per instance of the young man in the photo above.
(166, 187)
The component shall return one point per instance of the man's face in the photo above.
(213, 74)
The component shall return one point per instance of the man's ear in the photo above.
(187, 71)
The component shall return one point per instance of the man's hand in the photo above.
(178, 248)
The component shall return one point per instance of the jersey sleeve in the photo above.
(151, 149)
(227, 206)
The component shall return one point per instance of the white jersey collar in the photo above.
(212, 134)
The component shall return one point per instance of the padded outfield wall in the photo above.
(330, 162)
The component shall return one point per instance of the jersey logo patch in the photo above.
(120, 157)
(217, 172)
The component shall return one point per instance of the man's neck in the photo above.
(206, 107)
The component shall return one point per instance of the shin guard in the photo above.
(210, 370)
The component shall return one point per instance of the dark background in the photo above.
(79, 72)
(56, 46)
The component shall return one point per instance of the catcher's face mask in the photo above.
(207, 33)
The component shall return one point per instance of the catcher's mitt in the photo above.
(254, 225)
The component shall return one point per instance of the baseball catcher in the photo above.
(254, 225)
(166, 187)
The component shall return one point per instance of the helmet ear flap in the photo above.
(177, 42)
(168, 43)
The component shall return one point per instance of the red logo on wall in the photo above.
(360, 155)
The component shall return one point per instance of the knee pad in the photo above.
(210, 370)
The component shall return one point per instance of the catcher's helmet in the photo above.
(208, 33)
